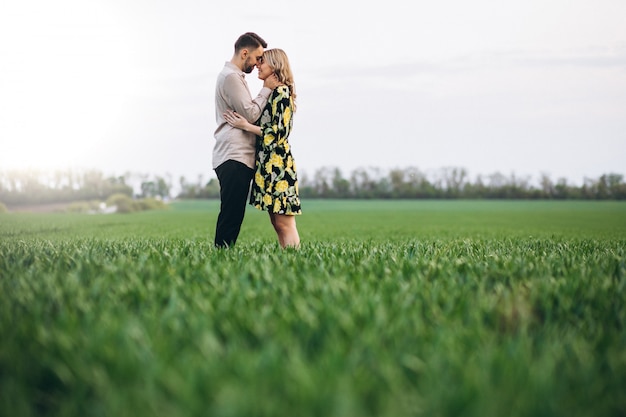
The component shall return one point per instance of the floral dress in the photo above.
(275, 184)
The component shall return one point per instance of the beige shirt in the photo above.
(232, 93)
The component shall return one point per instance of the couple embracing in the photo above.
(251, 142)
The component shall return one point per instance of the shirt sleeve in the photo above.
(240, 100)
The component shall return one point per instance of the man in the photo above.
(234, 150)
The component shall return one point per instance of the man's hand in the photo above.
(271, 82)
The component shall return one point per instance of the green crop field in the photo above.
(389, 308)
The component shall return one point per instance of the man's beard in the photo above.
(247, 68)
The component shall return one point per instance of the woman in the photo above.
(275, 183)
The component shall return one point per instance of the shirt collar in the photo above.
(235, 68)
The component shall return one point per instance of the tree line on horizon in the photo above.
(447, 183)
(24, 187)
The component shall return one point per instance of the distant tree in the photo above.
(162, 187)
(477, 189)
(616, 186)
(323, 182)
(365, 182)
(547, 187)
(453, 181)
(212, 189)
(148, 189)
(561, 189)
(340, 185)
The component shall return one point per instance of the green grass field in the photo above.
(390, 308)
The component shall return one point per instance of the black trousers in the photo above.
(234, 178)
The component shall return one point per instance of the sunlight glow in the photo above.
(65, 84)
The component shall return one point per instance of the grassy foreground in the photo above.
(399, 308)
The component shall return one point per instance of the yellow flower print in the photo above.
(269, 138)
(267, 199)
(276, 206)
(276, 161)
(281, 186)
(289, 159)
(258, 178)
(287, 115)
(287, 147)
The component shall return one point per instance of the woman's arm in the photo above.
(238, 121)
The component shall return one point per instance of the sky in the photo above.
(518, 87)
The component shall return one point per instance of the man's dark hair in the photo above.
(249, 40)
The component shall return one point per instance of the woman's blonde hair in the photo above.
(277, 59)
